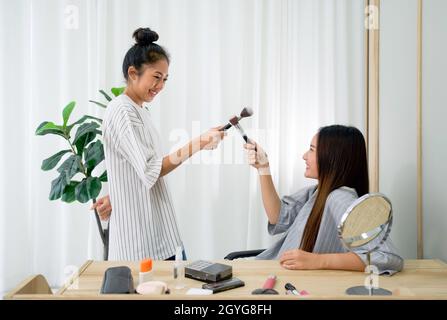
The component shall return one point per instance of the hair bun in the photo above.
(145, 36)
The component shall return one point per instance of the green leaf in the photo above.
(94, 187)
(94, 155)
(103, 177)
(52, 161)
(84, 118)
(71, 166)
(85, 128)
(69, 194)
(67, 112)
(41, 126)
(117, 91)
(84, 141)
(102, 105)
(58, 186)
(81, 192)
(105, 95)
(88, 189)
(50, 128)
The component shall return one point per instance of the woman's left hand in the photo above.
(103, 207)
(301, 260)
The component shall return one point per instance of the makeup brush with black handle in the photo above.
(245, 113)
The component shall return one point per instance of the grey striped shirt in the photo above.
(143, 222)
(295, 211)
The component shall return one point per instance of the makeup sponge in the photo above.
(152, 287)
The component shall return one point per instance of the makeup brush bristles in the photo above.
(246, 112)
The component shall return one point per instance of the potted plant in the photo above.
(75, 181)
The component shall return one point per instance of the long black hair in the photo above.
(342, 161)
(144, 51)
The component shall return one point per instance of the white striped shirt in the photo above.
(143, 222)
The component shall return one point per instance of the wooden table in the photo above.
(420, 279)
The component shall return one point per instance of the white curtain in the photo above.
(297, 63)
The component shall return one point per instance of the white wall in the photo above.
(398, 123)
(398, 40)
(434, 115)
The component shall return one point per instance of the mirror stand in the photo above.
(368, 290)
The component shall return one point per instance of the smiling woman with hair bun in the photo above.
(143, 223)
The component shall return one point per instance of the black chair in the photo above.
(243, 254)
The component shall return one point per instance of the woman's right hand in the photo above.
(256, 156)
(211, 139)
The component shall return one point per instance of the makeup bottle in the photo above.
(179, 269)
(145, 271)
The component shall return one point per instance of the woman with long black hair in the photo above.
(309, 218)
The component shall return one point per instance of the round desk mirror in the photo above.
(368, 218)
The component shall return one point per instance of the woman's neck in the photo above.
(131, 94)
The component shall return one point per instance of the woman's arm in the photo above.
(270, 198)
(342, 261)
(302, 260)
(207, 141)
(257, 158)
